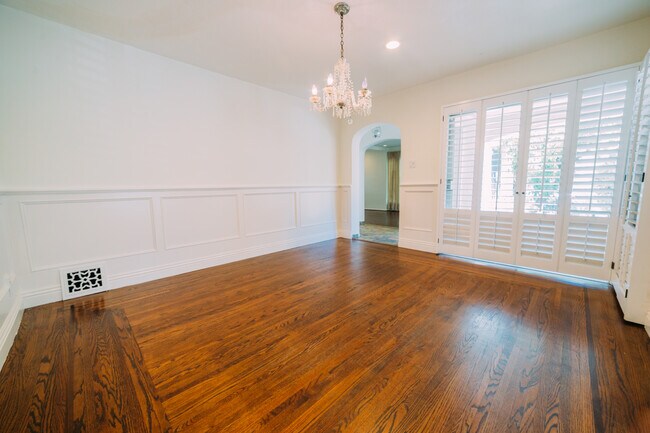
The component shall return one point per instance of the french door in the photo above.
(543, 195)
(532, 178)
(497, 182)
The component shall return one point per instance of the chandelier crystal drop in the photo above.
(338, 94)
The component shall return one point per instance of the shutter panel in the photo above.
(545, 153)
(586, 243)
(641, 120)
(600, 129)
(496, 219)
(600, 145)
(546, 138)
(460, 149)
(501, 147)
(461, 144)
(537, 238)
(535, 178)
(625, 260)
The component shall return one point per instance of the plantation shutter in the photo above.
(546, 147)
(535, 178)
(596, 168)
(496, 219)
(460, 155)
(640, 151)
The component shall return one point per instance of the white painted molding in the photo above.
(302, 215)
(145, 189)
(415, 185)
(166, 224)
(6, 283)
(417, 229)
(345, 234)
(414, 244)
(159, 272)
(50, 294)
(252, 210)
(41, 296)
(25, 204)
(9, 329)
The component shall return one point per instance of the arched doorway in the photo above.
(365, 138)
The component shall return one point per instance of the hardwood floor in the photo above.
(382, 217)
(340, 336)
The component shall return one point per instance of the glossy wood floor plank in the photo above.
(340, 336)
(83, 373)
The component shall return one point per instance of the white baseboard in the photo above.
(158, 272)
(41, 296)
(9, 329)
(47, 295)
(345, 234)
(415, 244)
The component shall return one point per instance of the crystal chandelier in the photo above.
(338, 95)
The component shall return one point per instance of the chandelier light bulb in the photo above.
(364, 84)
(330, 80)
(314, 90)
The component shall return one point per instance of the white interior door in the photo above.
(545, 147)
(497, 179)
(461, 126)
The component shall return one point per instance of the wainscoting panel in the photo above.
(344, 209)
(195, 220)
(62, 233)
(418, 217)
(142, 235)
(317, 207)
(269, 212)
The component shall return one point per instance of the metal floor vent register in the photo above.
(80, 282)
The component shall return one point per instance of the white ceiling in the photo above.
(289, 44)
(389, 144)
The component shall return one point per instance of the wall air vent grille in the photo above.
(80, 282)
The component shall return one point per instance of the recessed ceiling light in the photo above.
(392, 45)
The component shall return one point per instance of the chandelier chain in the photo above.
(341, 34)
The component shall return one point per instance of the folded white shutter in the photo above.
(639, 153)
(545, 151)
(460, 153)
(500, 158)
(601, 133)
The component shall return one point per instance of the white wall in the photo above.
(417, 112)
(80, 111)
(153, 167)
(376, 179)
(9, 296)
